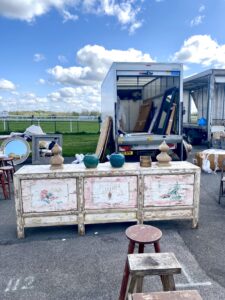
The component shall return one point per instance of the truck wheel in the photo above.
(193, 138)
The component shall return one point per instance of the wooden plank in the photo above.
(144, 113)
(50, 221)
(143, 264)
(104, 136)
(174, 295)
(110, 217)
(170, 123)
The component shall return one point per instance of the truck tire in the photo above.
(193, 137)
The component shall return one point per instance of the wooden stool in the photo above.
(8, 171)
(3, 184)
(9, 161)
(177, 295)
(142, 235)
(164, 265)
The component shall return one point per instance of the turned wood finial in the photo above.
(56, 160)
(163, 158)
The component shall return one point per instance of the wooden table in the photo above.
(76, 195)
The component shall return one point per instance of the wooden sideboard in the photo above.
(76, 195)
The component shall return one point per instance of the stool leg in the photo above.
(3, 186)
(124, 283)
(139, 286)
(157, 247)
(168, 283)
(141, 248)
(8, 182)
(131, 285)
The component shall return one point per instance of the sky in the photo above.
(54, 54)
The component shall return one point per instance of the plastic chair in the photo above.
(222, 180)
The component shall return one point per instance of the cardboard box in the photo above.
(215, 156)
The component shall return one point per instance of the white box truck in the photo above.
(204, 103)
(144, 101)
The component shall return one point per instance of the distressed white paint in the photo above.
(168, 190)
(105, 194)
(49, 195)
(110, 192)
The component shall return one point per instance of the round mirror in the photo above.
(16, 147)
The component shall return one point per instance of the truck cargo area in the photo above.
(204, 97)
(144, 101)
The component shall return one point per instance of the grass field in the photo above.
(83, 138)
(79, 143)
(52, 126)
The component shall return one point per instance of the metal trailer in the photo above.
(126, 87)
(204, 98)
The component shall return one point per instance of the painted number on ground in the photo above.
(21, 283)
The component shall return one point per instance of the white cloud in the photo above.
(202, 49)
(7, 85)
(62, 59)
(38, 57)
(197, 20)
(24, 101)
(42, 81)
(185, 68)
(76, 99)
(95, 61)
(67, 16)
(126, 11)
(201, 8)
(28, 10)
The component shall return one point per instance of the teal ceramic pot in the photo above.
(117, 160)
(91, 161)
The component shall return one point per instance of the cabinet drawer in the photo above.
(168, 190)
(46, 195)
(110, 192)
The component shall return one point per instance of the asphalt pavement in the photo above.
(57, 263)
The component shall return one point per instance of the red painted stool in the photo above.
(8, 172)
(141, 235)
(3, 184)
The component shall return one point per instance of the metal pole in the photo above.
(71, 126)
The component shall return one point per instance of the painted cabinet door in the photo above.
(110, 192)
(168, 190)
(43, 195)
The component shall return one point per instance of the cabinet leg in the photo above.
(20, 233)
(81, 229)
(194, 223)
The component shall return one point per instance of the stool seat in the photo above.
(143, 264)
(6, 168)
(174, 295)
(143, 234)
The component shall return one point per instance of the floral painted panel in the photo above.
(45, 195)
(168, 190)
(110, 192)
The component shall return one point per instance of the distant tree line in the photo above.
(45, 113)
